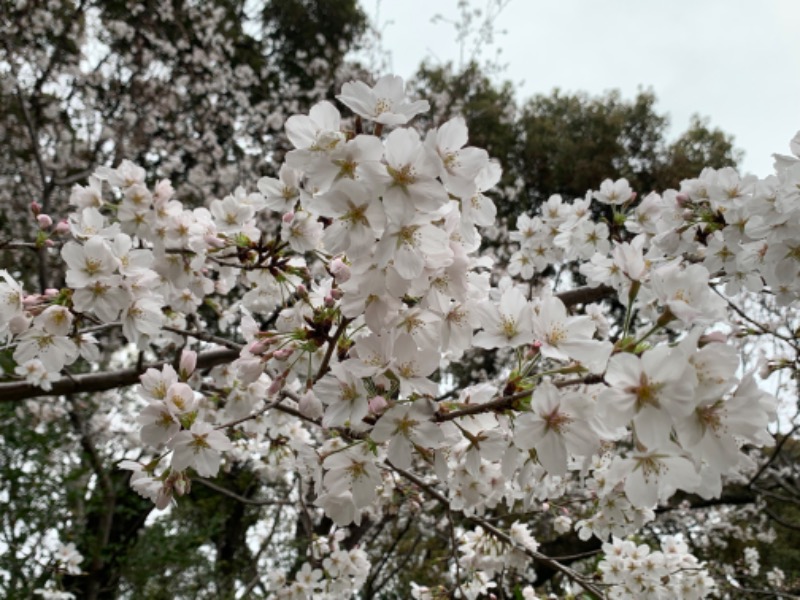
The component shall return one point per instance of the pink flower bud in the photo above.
(302, 291)
(187, 364)
(337, 294)
(31, 300)
(681, 199)
(339, 270)
(36, 208)
(45, 222)
(275, 386)
(213, 241)
(19, 324)
(310, 406)
(258, 347)
(377, 404)
(180, 486)
(283, 353)
(49, 243)
(330, 302)
(50, 293)
(288, 217)
(711, 337)
(62, 227)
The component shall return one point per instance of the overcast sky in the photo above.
(735, 61)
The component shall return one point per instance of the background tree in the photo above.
(571, 142)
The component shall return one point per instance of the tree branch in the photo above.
(100, 382)
(586, 295)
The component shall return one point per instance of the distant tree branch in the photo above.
(586, 295)
(100, 382)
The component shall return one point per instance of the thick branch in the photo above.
(100, 382)
(586, 295)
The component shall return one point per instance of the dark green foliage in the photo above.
(566, 144)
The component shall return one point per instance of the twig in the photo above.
(205, 337)
(773, 456)
(242, 499)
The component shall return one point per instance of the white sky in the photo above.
(735, 61)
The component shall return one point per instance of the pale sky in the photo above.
(734, 61)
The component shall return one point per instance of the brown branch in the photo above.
(332, 342)
(497, 404)
(100, 382)
(503, 402)
(781, 521)
(586, 295)
(773, 456)
(205, 337)
(252, 501)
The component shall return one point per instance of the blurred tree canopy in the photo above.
(569, 143)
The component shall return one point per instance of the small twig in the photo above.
(255, 415)
(332, 341)
(242, 499)
(205, 337)
(773, 456)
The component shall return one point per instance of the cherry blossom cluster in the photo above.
(344, 288)
(341, 572)
(636, 571)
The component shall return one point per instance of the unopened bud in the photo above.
(712, 337)
(36, 208)
(275, 386)
(283, 353)
(187, 364)
(330, 301)
(310, 406)
(31, 300)
(19, 324)
(302, 291)
(340, 270)
(62, 227)
(377, 404)
(51, 293)
(258, 347)
(681, 199)
(213, 241)
(337, 294)
(179, 487)
(288, 217)
(45, 222)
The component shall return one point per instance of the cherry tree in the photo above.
(304, 330)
